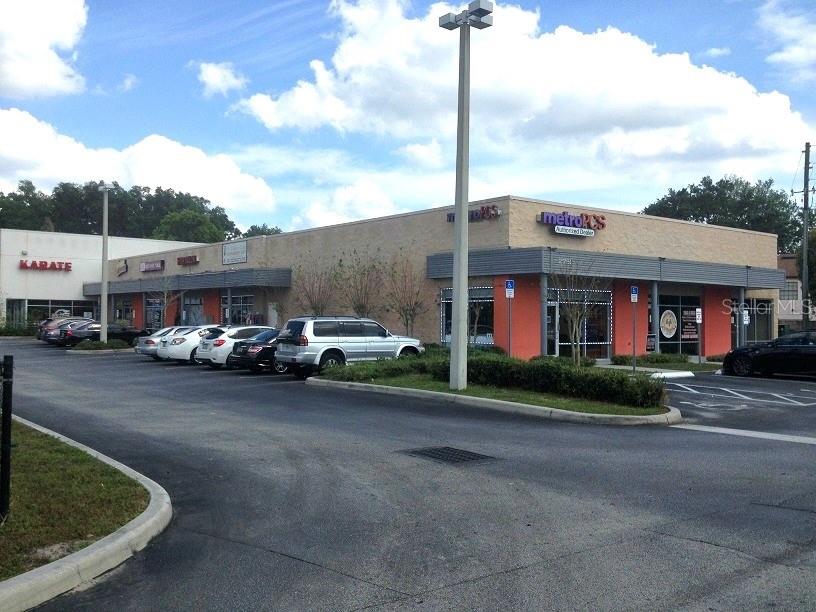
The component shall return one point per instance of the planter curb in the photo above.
(46, 582)
(672, 417)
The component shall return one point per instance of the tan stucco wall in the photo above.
(634, 234)
(416, 235)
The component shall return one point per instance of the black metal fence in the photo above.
(7, 372)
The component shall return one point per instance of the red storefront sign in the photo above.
(59, 266)
(187, 260)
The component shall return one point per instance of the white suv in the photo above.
(308, 344)
(214, 348)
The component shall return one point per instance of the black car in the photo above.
(791, 354)
(257, 353)
(91, 332)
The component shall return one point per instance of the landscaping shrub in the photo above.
(98, 345)
(586, 362)
(651, 359)
(715, 358)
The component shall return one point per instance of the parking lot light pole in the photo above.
(103, 298)
(477, 15)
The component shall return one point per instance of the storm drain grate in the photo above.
(447, 454)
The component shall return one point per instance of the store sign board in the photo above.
(59, 266)
(698, 315)
(152, 266)
(668, 324)
(187, 260)
(234, 252)
(650, 343)
(484, 213)
(689, 329)
(582, 225)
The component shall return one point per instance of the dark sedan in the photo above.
(257, 353)
(91, 332)
(791, 354)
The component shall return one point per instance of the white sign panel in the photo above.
(234, 252)
(574, 231)
(698, 314)
(746, 317)
(509, 289)
(633, 293)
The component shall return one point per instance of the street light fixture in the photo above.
(103, 298)
(477, 15)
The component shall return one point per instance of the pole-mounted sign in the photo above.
(633, 294)
(510, 289)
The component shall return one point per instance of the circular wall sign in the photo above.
(668, 324)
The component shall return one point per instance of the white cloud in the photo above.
(129, 82)
(428, 155)
(716, 52)
(362, 199)
(37, 47)
(607, 92)
(32, 149)
(220, 78)
(794, 33)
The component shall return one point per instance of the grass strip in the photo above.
(62, 500)
(424, 381)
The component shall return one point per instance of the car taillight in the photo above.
(253, 349)
(179, 341)
(219, 342)
(303, 341)
(149, 342)
(69, 332)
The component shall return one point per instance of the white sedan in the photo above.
(213, 349)
(184, 345)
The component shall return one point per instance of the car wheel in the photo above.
(134, 343)
(279, 368)
(193, 359)
(741, 366)
(331, 359)
(408, 352)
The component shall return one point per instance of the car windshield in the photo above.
(268, 334)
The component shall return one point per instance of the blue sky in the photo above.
(301, 112)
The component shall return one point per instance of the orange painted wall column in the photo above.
(171, 313)
(622, 317)
(716, 320)
(137, 301)
(526, 316)
(212, 306)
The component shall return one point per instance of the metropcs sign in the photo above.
(582, 224)
(58, 266)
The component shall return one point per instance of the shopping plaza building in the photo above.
(700, 288)
(42, 273)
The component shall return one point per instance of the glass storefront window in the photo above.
(242, 311)
(594, 306)
(480, 315)
(679, 331)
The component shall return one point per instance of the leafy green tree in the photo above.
(188, 225)
(26, 208)
(262, 230)
(734, 202)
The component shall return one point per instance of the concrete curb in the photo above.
(673, 374)
(46, 582)
(670, 418)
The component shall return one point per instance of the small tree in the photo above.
(315, 283)
(403, 294)
(360, 283)
(575, 285)
(168, 295)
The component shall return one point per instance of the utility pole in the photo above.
(805, 220)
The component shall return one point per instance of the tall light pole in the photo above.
(477, 15)
(103, 298)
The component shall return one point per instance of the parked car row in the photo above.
(304, 346)
(71, 331)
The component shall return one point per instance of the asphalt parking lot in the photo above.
(781, 405)
(291, 497)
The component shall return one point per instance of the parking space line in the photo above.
(746, 433)
(740, 395)
(686, 387)
(788, 399)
